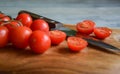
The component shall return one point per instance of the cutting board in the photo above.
(59, 60)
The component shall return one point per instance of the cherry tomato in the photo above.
(40, 24)
(3, 36)
(4, 18)
(19, 36)
(76, 43)
(39, 41)
(25, 18)
(102, 32)
(84, 27)
(57, 36)
(92, 23)
(12, 24)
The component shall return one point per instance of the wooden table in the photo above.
(59, 60)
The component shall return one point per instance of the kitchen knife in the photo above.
(59, 26)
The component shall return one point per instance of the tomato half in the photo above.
(3, 36)
(92, 23)
(39, 41)
(25, 18)
(102, 32)
(76, 43)
(57, 36)
(19, 36)
(84, 27)
(40, 24)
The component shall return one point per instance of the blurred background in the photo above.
(103, 12)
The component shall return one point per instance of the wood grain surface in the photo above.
(59, 60)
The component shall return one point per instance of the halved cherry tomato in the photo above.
(57, 36)
(40, 24)
(90, 22)
(3, 36)
(39, 41)
(84, 27)
(19, 36)
(102, 32)
(25, 18)
(76, 43)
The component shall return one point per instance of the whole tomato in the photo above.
(25, 18)
(3, 36)
(39, 41)
(12, 24)
(40, 24)
(4, 18)
(19, 36)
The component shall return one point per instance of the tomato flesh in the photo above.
(39, 41)
(102, 32)
(84, 27)
(92, 23)
(76, 43)
(57, 36)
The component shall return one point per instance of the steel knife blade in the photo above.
(53, 24)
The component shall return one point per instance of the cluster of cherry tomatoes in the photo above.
(23, 32)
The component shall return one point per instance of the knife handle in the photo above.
(52, 23)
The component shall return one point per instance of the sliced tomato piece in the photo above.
(102, 32)
(84, 27)
(57, 36)
(92, 23)
(76, 43)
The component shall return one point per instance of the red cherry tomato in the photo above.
(102, 32)
(40, 24)
(3, 36)
(12, 24)
(19, 36)
(4, 19)
(76, 43)
(2, 15)
(25, 18)
(39, 41)
(57, 36)
(84, 27)
(92, 23)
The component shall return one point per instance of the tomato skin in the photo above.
(102, 32)
(84, 27)
(25, 19)
(4, 18)
(12, 24)
(39, 41)
(40, 24)
(57, 36)
(76, 43)
(3, 36)
(19, 36)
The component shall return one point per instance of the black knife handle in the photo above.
(52, 23)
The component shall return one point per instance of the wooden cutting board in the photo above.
(59, 60)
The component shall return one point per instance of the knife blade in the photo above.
(53, 24)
